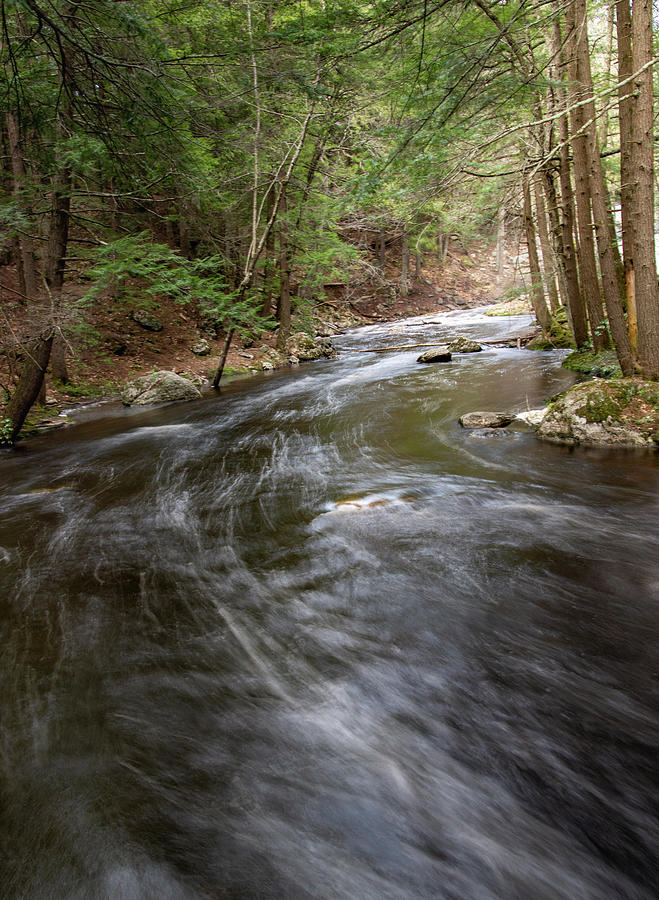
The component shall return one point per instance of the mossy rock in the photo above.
(622, 412)
(600, 365)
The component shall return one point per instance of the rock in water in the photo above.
(146, 320)
(436, 354)
(486, 419)
(326, 346)
(160, 387)
(464, 344)
(622, 412)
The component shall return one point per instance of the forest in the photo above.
(238, 157)
(372, 615)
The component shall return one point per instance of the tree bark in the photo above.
(284, 277)
(501, 243)
(612, 279)
(625, 113)
(548, 263)
(642, 184)
(27, 265)
(537, 294)
(58, 237)
(382, 248)
(565, 239)
(405, 264)
(268, 264)
(586, 257)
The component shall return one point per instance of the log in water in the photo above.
(313, 639)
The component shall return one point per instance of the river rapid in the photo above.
(222, 680)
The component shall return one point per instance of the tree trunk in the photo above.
(586, 257)
(268, 265)
(27, 266)
(609, 257)
(284, 277)
(405, 264)
(29, 384)
(642, 184)
(501, 243)
(382, 248)
(625, 114)
(223, 358)
(537, 295)
(548, 263)
(418, 263)
(575, 296)
(58, 237)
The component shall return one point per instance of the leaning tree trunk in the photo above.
(537, 294)
(29, 384)
(223, 358)
(642, 183)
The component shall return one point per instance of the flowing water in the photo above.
(311, 639)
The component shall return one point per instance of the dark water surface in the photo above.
(218, 683)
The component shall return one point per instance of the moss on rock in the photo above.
(559, 336)
(622, 412)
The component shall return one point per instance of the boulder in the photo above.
(159, 387)
(486, 419)
(623, 412)
(200, 347)
(464, 344)
(304, 347)
(436, 354)
(147, 320)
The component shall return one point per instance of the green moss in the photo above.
(600, 407)
(599, 365)
(622, 400)
(83, 390)
(650, 393)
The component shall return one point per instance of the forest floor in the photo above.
(109, 348)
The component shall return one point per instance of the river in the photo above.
(311, 639)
